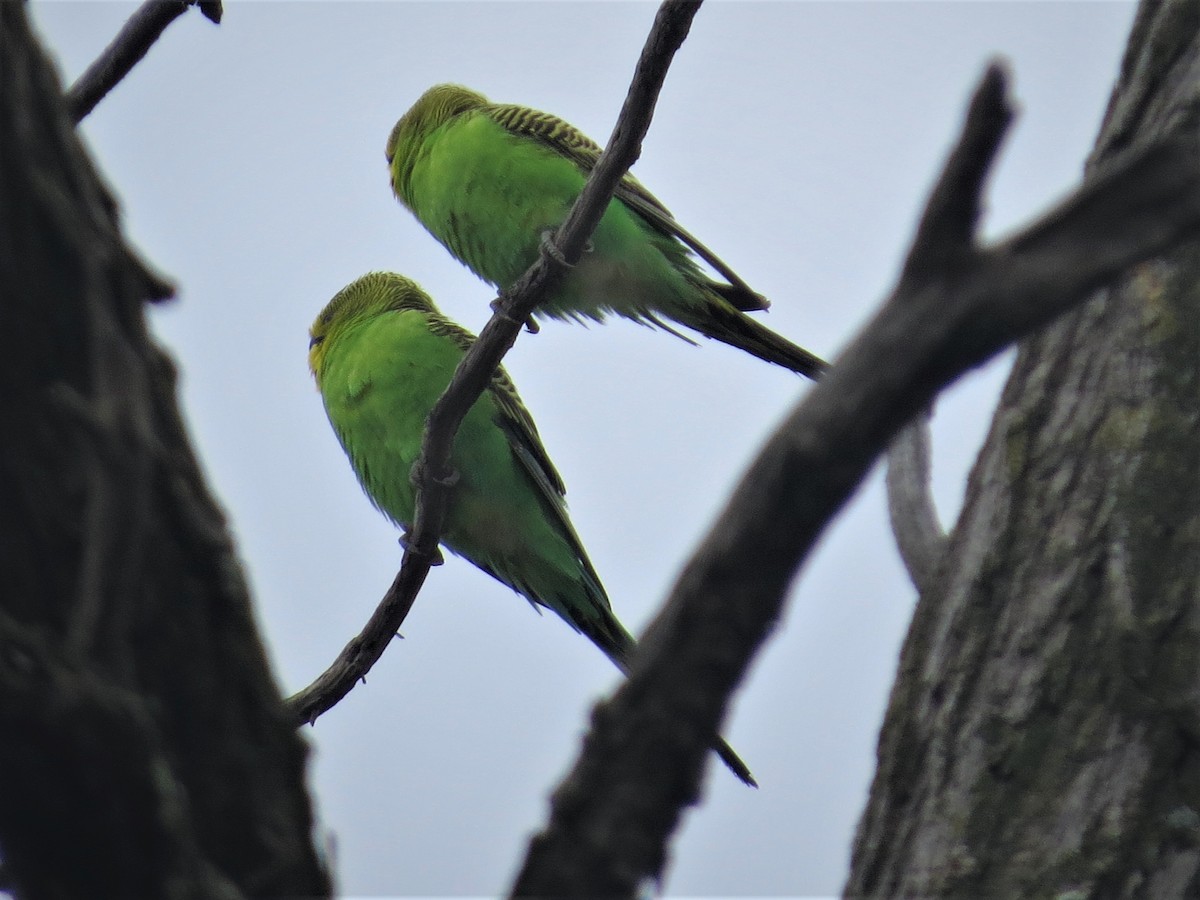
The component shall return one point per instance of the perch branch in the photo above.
(432, 473)
(643, 758)
(132, 42)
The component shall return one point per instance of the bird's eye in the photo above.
(314, 340)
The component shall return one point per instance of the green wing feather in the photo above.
(568, 141)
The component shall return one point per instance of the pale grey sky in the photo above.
(795, 139)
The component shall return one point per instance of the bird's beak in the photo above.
(315, 353)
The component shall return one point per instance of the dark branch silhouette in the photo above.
(956, 305)
(146, 748)
(132, 42)
(919, 535)
(432, 474)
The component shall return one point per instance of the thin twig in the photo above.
(135, 38)
(643, 759)
(432, 473)
(919, 534)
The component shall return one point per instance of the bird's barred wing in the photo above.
(567, 140)
(514, 417)
(518, 426)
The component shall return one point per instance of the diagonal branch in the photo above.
(132, 42)
(432, 473)
(642, 761)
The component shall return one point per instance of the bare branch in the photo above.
(358, 656)
(131, 43)
(919, 534)
(613, 814)
(432, 473)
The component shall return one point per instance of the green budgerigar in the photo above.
(490, 180)
(382, 354)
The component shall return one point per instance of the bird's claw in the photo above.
(499, 309)
(550, 250)
(420, 473)
(434, 556)
(449, 480)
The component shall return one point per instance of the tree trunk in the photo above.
(1043, 736)
(144, 747)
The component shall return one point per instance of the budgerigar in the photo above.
(382, 354)
(490, 181)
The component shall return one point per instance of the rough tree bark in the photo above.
(144, 747)
(1043, 737)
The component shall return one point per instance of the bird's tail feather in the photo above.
(740, 298)
(722, 322)
(734, 762)
(619, 646)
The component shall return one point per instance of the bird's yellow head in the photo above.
(368, 296)
(433, 109)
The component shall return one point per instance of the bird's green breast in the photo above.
(379, 380)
